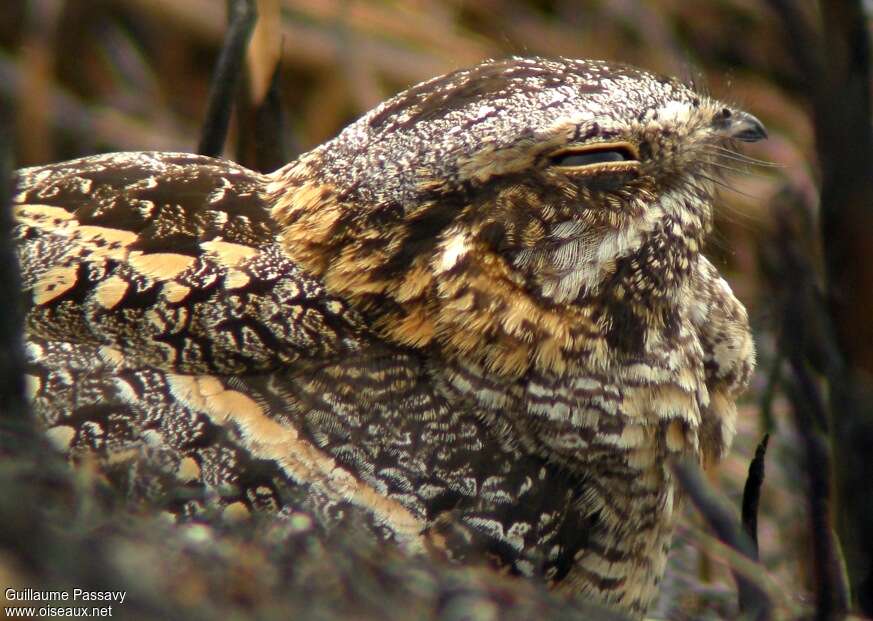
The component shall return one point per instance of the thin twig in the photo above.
(832, 592)
(261, 141)
(803, 319)
(785, 601)
(242, 17)
(752, 493)
(261, 131)
(16, 424)
(754, 601)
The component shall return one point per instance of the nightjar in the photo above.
(479, 316)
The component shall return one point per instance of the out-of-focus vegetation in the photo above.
(85, 76)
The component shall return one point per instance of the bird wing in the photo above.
(172, 260)
(164, 318)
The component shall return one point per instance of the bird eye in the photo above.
(596, 154)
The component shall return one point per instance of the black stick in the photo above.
(806, 329)
(242, 17)
(832, 592)
(754, 601)
(14, 418)
(752, 493)
(262, 129)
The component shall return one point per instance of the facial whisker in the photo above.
(741, 157)
(726, 206)
(724, 185)
(733, 169)
(733, 157)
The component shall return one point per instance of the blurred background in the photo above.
(88, 76)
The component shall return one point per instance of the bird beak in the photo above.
(745, 127)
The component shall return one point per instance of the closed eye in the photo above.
(594, 156)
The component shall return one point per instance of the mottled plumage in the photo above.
(479, 317)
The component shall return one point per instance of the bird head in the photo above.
(491, 210)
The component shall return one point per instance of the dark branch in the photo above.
(15, 423)
(833, 59)
(804, 343)
(845, 147)
(832, 593)
(225, 81)
(262, 130)
(752, 493)
(754, 601)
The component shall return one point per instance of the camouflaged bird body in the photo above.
(424, 320)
